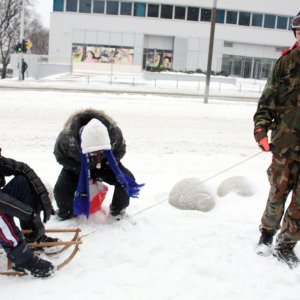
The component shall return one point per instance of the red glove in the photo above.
(262, 139)
(264, 144)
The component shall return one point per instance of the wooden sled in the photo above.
(75, 241)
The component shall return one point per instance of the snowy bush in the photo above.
(191, 194)
(237, 184)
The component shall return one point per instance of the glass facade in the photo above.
(269, 21)
(126, 9)
(112, 7)
(71, 5)
(193, 14)
(139, 9)
(282, 22)
(99, 6)
(231, 17)
(247, 67)
(153, 10)
(205, 15)
(166, 11)
(58, 5)
(155, 59)
(257, 20)
(244, 18)
(179, 13)
(85, 6)
(220, 17)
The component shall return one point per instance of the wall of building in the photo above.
(189, 40)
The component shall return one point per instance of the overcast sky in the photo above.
(44, 8)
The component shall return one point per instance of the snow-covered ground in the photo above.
(169, 254)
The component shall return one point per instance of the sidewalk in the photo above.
(242, 90)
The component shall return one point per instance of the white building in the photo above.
(173, 34)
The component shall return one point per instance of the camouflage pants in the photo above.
(283, 175)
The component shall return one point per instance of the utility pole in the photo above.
(22, 18)
(210, 49)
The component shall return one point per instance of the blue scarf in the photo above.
(128, 183)
(82, 196)
(81, 203)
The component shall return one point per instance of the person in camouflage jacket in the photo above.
(278, 111)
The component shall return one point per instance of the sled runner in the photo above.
(75, 241)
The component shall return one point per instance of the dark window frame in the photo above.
(166, 11)
(230, 16)
(193, 13)
(112, 8)
(178, 13)
(124, 11)
(246, 21)
(155, 10)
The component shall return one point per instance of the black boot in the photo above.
(264, 246)
(284, 251)
(23, 259)
(116, 214)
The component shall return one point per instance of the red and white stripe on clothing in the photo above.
(7, 233)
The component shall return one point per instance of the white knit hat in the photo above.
(94, 137)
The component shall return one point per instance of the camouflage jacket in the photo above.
(278, 108)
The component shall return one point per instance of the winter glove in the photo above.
(46, 207)
(262, 138)
(37, 227)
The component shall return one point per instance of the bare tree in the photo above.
(39, 37)
(10, 12)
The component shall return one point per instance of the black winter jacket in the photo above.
(67, 146)
(9, 205)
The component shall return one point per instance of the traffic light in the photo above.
(18, 47)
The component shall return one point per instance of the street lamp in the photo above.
(210, 49)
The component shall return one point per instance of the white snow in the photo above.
(170, 254)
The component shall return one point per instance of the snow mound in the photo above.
(237, 184)
(191, 194)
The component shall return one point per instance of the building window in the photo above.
(139, 9)
(205, 15)
(220, 17)
(179, 13)
(257, 20)
(166, 11)
(126, 8)
(157, 59)
(193, 14)
(231, 17)
(112, 7)
(153, 10)
(282, 22)
(85, 6)
(71, 5)
(269, 21)
(58, 5)
(244, 18)
(98, 6)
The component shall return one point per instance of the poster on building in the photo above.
(155, 58)
(102, 54)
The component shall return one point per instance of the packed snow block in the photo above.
(236, 184)
(191, 194)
